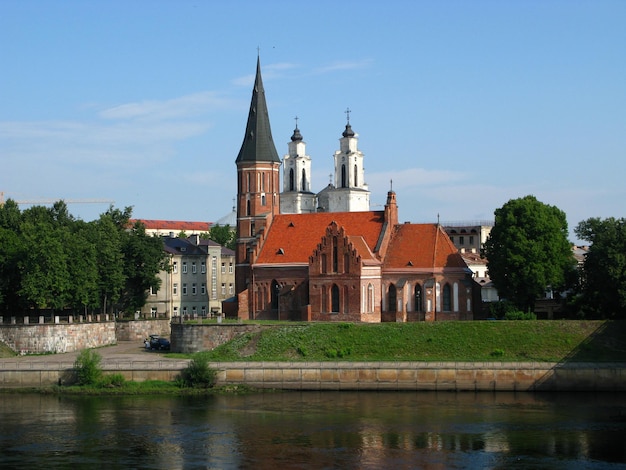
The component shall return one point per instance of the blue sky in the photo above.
(463, 104)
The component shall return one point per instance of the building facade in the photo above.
(200, 278)
(341, 262)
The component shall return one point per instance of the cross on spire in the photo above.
(347, 111)
(296, 118)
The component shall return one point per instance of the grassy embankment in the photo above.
(539, 341)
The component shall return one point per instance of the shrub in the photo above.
(87, 367)
(497, 352)
(198, 374)
(113, 380)
(517, 315)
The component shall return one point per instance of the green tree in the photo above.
(528, 251)
(110, 261)
(11, 252)
(83, 266)
(604, 269)
(144, 258)
(45, 279)
(222, 234)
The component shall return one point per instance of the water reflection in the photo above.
(316, 430)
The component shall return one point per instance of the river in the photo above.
(321, 430)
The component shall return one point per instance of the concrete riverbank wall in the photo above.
(376, 376)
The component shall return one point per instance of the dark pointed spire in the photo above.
(258, 145)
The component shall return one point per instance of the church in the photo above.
(326, 256)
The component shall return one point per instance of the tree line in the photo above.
(50, 260)
(528, 251)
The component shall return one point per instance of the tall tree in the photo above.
(604, 269)
(223, 234)
(144, 258)
(528, 250)
(11, 252)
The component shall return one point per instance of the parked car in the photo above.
(158, 343)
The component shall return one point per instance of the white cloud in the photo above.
(176, 108)
(344, 65)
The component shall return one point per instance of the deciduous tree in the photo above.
(604, 269)
(528, 251)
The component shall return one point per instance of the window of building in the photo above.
(184, 289)
(203, 267)
(392, 298)
(153, 312)
(370, 298)
(263, 199)
(184, 267)
(175, 267)
(418, 298)
(223, 268)
(193, 289)
(193, 267)
(203, 289)
(447, 298)
(344, 183)
(176, 312)
(230, 288)
(184, 310)
(461, 240)
(194, 311)
(223, 288)
(203, 311)
(175, 289)
(356, 179)
(291, 183)
(214, 277)
(153, 290)
(471, 240)
(334, 298)
(230, 268)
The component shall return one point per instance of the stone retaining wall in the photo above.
(51, 338)
(426, 376)
(375, 376)
(191, 338)
(138, 330)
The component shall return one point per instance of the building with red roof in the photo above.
(356, 265)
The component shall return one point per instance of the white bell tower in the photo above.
(297, 197)
(350, 193)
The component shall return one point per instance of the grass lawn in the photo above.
(462, 341)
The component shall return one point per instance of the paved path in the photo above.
(122, 352)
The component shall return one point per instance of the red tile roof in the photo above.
(293, 237)
(421, 246)
(174, 225)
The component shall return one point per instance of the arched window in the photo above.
(344, 183)
(392, 297)
(447, 298)
(334, 254)
(370, 298)
(356, 177)
(291, 180)
(334, 295)
(303, 179)
(418, 298)
(262, 199)
(275, 289)
(248, 207)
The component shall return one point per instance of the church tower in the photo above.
(350, 192)
(297, 197)
(258, 186)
